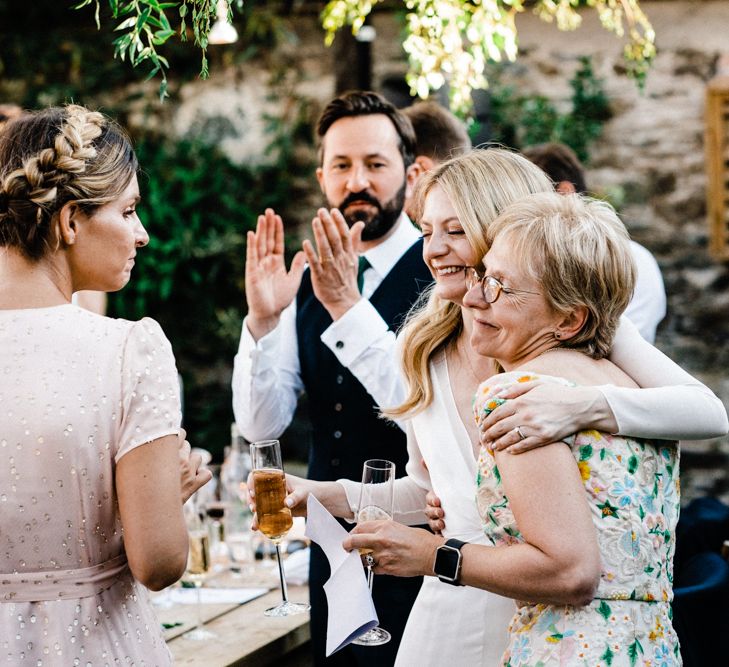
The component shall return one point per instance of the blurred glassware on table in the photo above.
(198, 562)
(234, 496)
(235, 469)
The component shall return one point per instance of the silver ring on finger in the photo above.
(369, 560)
(519, 432)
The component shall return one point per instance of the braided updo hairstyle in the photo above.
(51, 157)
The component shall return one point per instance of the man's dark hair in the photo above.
(559, 162)
(366, 103)
(439, 135)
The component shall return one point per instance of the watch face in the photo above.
(446, 562)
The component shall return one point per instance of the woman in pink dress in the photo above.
(90, 445)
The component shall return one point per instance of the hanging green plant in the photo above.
(446, 40)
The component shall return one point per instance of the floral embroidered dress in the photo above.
(633, 492)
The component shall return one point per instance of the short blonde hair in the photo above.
(479, 185)
(578, 250)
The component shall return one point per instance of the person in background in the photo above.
(439, 136)
(90, 300)
(648, 306)
(318, 331)
(96, 468)
(9, 112)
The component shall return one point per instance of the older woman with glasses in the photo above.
(457, 203)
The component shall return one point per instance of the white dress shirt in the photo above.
(648, 306)
(267, 373)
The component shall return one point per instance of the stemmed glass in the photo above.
(274, 518)
(198, 566)
(375, 502)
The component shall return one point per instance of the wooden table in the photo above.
(244, 635)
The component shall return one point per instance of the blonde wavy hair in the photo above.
(52, 157)
(479, 185)
(578, 250)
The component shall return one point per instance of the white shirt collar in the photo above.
(385, 255)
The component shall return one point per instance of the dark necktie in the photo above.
(363, 266)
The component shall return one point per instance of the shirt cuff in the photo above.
(262, 352)
(354, 332)
(352, 490)
(612, 398)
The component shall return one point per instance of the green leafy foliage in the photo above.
(524, 120)
(452, 41)
(49, 55)
(447, 41)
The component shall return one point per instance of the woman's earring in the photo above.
(557, 335)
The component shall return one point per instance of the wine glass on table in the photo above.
(375, 503)
(198, 566)
(274, 518)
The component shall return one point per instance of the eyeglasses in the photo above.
(491, 288)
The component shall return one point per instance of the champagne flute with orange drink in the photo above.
(274, 518)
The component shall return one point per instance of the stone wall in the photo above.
(651, 151)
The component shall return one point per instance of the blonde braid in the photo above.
(37, 181)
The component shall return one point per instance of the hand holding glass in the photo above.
(274, 518)
(375, 503)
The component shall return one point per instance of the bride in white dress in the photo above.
(442, 372)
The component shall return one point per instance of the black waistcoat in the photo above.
(347, 429)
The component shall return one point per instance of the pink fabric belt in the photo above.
(62, 584)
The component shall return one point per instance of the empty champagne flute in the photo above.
(198, 567)
(375, 503)
(274, 518)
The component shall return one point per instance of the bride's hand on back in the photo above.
(193, 474)
(538, 413)
(434, 512)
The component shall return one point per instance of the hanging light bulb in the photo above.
(222, 31)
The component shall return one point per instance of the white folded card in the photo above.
(216, 595)
(351, 610)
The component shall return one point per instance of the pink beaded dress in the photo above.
(77, 392)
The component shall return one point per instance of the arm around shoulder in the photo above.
(671, 403)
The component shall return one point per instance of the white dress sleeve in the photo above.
(648, 306)
(671, 405)
(150, 406)
(267, 379)
(410, 491)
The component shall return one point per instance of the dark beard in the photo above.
(377, 225)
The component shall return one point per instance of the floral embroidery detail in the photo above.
(633, 492)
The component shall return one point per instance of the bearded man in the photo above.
(328, 329)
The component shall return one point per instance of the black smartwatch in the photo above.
(447, 564)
